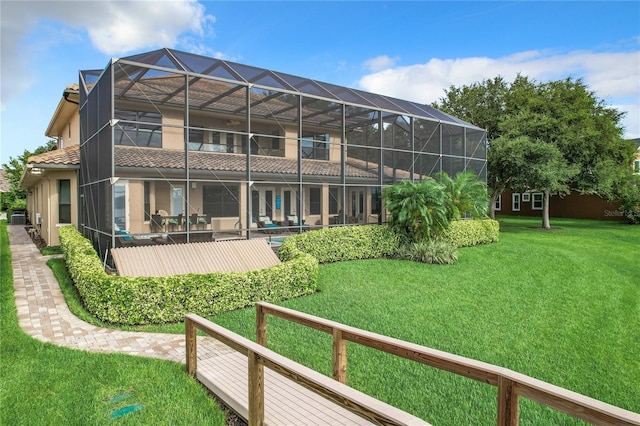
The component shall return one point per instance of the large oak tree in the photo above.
(579, 145)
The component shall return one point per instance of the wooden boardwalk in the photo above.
(285, 402)
(264, 387)
(267, 388)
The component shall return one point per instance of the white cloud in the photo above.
(615, 77)
(114, 28)
(379, 63)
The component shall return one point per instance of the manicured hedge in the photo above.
(376, 241)
(344, 243)
(154, 300)
(471, 232)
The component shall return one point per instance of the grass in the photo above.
(562, 306)
(44, 384)
(50, 250)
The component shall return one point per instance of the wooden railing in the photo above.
(511, 385)
(259, 356)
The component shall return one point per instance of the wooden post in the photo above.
(191, 346)
(256, 390)
(261, 326)
(508, 405)
(339, 357)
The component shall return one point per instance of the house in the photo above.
(573, 205)
(168, 145)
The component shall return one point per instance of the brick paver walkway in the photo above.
(43, 313)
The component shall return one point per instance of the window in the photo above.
(201, 140)
(314, 200)
(137, 128)
(376, 201)
(64, 201)
(333, 200)
(254, 144)
(526, 197)
(515, 202)
(147, 201)
(636, 166)
(498, 204)
(120, 206)
(177, 200)
(275, 140)
(230, 138)
(196, 140)
(315, 145)
(538, 201)
(222, 201)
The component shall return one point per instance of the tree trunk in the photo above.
(545, 211)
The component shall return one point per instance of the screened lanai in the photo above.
(178, 147)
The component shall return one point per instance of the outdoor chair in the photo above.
(267, 226)
(157, 223)
(293, 221)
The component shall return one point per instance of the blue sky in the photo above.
(411, 50)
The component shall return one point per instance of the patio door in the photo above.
(177, 199)
(120, 206)
(262, 203)
(356, 214)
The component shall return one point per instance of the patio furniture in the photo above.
(293, 221)
(267, 226)
(157, 223)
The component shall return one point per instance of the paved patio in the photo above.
(43, 312)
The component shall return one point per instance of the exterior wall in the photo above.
(43, 199)
(574, 206)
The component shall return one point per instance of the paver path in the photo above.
(43, 313)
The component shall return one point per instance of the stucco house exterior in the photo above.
(167, 146)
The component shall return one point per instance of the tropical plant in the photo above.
(418, 210)
(465, 195)
(439, 252)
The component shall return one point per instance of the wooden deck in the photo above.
(274, 390)
(267, 388)
(285, 402)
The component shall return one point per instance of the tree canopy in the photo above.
(553, 137)
(16, 197)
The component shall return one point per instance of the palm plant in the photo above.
(465, 195)
(417, 210)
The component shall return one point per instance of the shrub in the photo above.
(344, 243)
(438, 252)
(465, 195)
(146, 300)
(418, 210)
(464, 233)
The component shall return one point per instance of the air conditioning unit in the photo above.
(38, 219)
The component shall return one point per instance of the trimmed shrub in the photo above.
(344, 243)
(155, 300)
(376, 241)
(465, 233)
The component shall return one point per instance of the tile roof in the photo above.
(66, 156)
(154, 158)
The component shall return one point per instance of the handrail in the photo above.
(259, 356)
(511, 385)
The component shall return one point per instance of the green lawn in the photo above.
(44, 384)
(562, 306)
